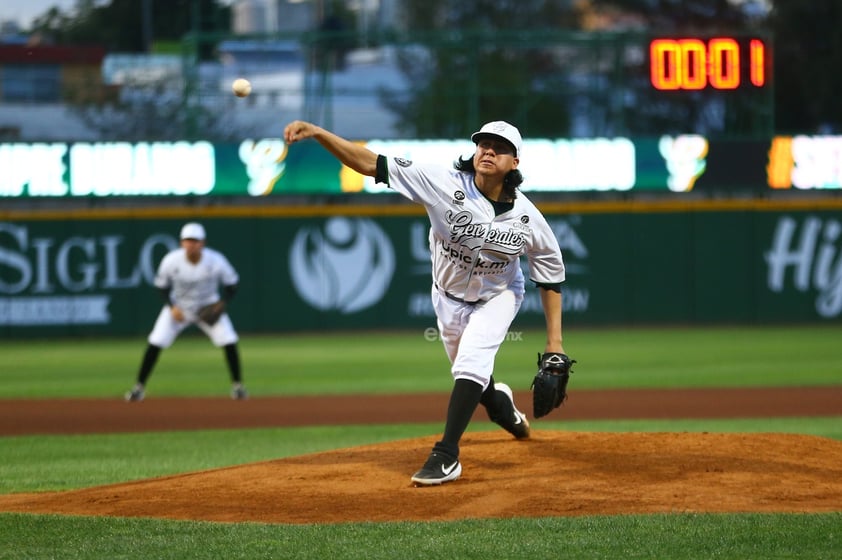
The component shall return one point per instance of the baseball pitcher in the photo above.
(480, 225)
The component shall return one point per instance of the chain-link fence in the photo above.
(441, 85)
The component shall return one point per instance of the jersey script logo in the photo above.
(464, 231)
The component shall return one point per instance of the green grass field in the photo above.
(405, 362)
(388, 363)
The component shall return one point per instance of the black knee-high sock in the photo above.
(463, 402)
(148, 363)
(493, 401)
(232, 356)
(489, 396)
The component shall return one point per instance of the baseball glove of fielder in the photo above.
(210, 314)
(549, 388)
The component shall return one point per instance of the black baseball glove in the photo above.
(549, 388)
(210, 314)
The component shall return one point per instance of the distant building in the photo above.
(39, 82)
(10, 32)
(248, 17)
(254, 17)
(49, 73)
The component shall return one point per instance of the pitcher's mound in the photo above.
(553, 474)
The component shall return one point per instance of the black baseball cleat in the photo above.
(439, 468)
(238, 392)
(509, 417)
(136, 394)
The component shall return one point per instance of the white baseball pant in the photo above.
(472, 333)
(167, 329)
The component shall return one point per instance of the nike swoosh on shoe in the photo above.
(448, 470)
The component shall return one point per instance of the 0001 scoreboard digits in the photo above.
(723, 63)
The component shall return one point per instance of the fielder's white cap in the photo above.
(500, 130)
(193, 231)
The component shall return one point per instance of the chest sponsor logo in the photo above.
(478, 246)
(577, 295)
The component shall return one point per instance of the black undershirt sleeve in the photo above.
(165, 293)
(382, 175)
(229, 291)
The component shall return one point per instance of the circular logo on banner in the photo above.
(346, 265)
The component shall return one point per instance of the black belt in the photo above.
(448, 295)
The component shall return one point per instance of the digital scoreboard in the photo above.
(719, 63)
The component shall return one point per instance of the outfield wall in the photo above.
(89, 272)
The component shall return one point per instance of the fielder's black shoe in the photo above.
(136, 394)
(508, 416)
(238, 392)
(439, 468)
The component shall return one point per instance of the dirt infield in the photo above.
(555, 473)
(87, 416)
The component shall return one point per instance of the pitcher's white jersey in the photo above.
(194, 285)
(475, 253)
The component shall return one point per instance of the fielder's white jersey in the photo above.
(193, 286)
(475, 253)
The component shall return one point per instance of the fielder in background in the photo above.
(480, 226)
(189, 279)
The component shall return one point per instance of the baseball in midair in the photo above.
(241, 87)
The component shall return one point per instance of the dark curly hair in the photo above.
(511, 181)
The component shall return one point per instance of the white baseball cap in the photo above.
(193, 231)
(502, 131)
